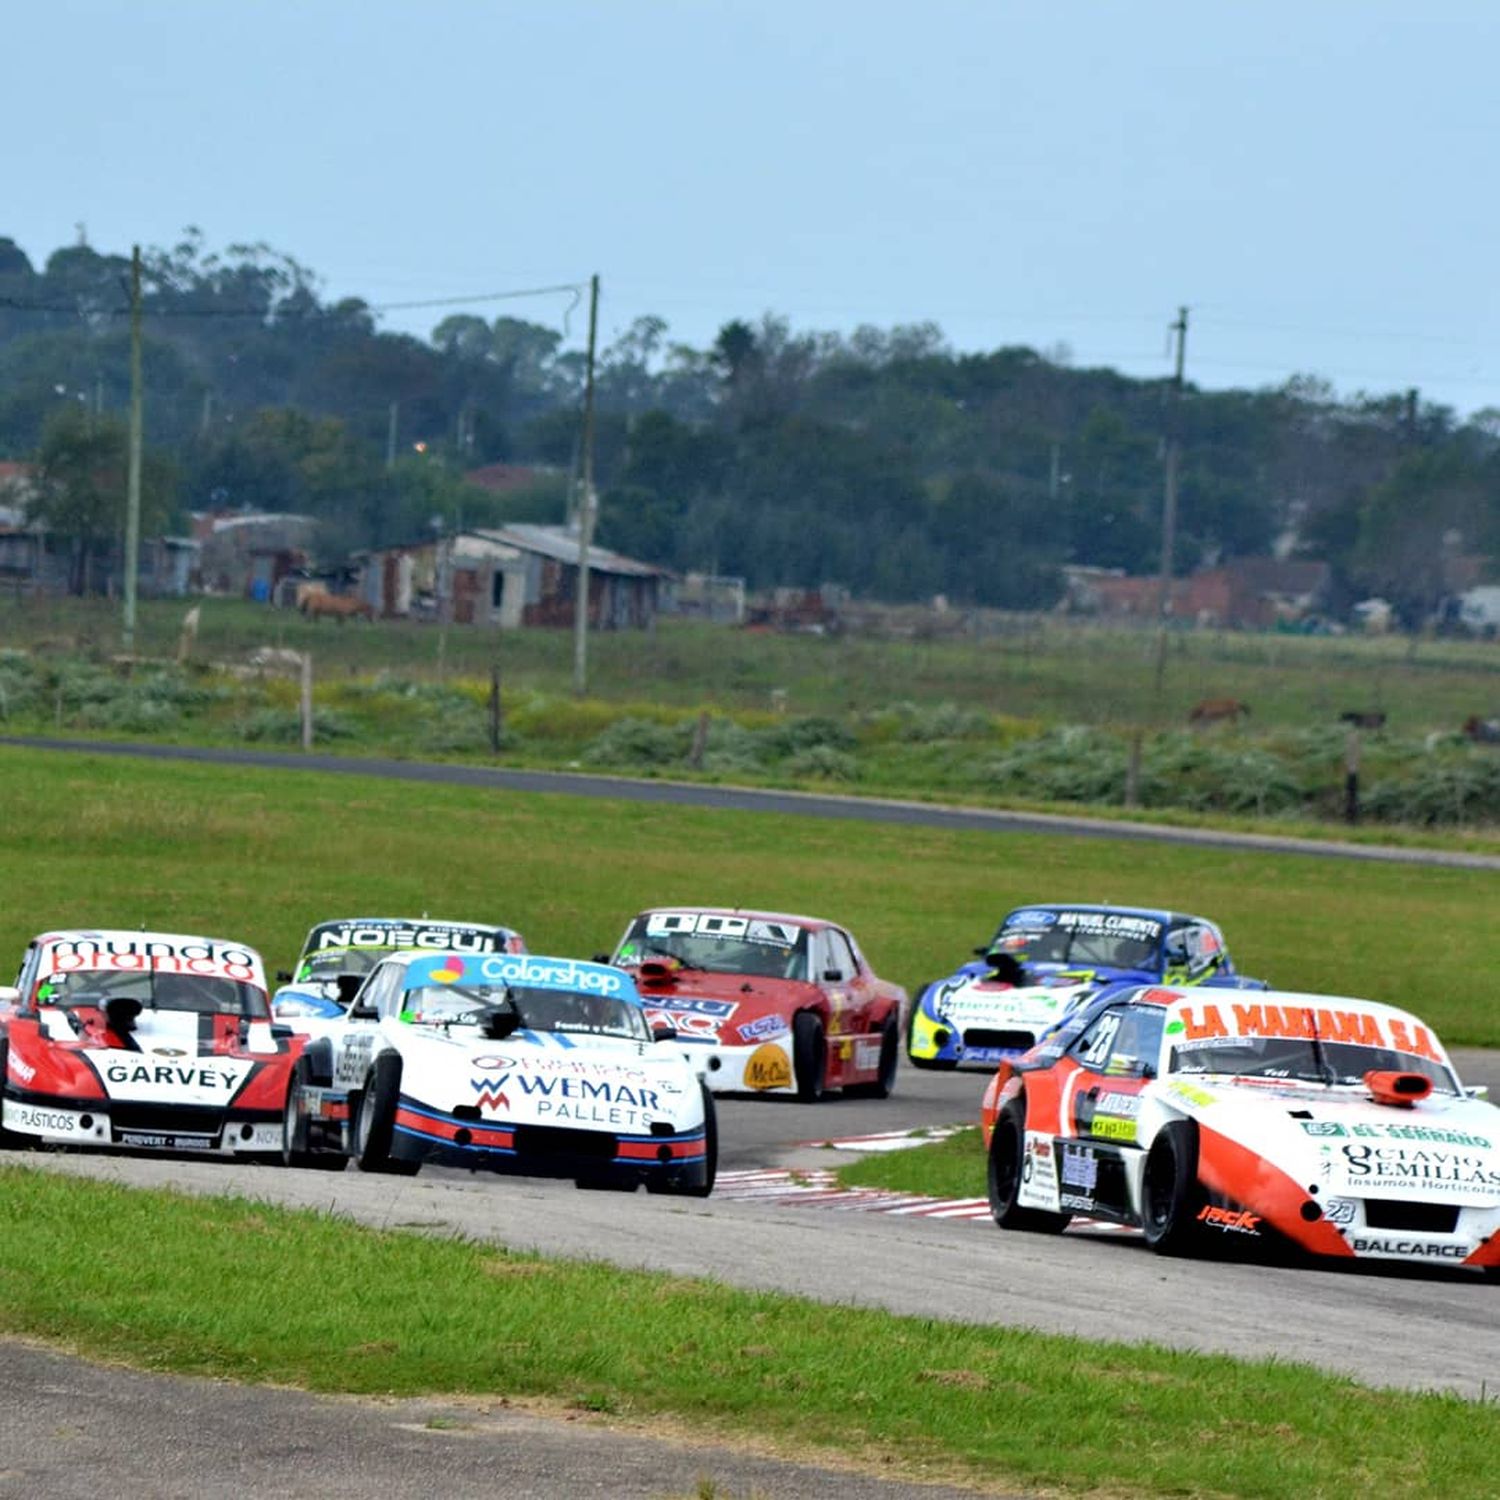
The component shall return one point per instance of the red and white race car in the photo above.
(146, 1040)
(766, 1002)
(1333, 1125)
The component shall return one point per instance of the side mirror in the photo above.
(281, 1033)
(283, 976)
(602, 958)
(661, 1032)
(363, 1013)
(832, 976)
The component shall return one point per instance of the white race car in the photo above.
(1334, 1125)
(147, 1040)
(504, 1062)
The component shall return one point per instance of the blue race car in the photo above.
(1046, 960)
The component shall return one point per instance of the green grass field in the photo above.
(261, 856)
(245, 1291)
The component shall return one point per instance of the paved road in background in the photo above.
(745, 799)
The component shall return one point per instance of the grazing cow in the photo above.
(1374, 720)
(316, 603)
(1482, 731)
(1216, 710)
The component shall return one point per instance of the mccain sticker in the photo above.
(768, 1068)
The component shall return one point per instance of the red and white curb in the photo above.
(818, 1187)
(889, 1140)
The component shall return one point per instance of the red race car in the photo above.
(145, 1040)
(765, 1002)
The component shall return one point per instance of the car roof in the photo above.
(438, 923)
(1156, 913)
(813, 924)
(135, 935)
(1169, 995)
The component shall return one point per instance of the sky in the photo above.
(1313, 179)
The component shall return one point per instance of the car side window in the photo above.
(840, 955)
(378, 989)
(1124, 1040)
(1092, 1049)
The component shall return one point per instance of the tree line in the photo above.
(884, 460)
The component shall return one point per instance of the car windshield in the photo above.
(763, 949)
(1302, 1060)
(331, 962)
(532, 1009)
(1082, 940)
(202, 994)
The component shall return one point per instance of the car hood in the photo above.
(1444, 1148)
(733, 1009)
(546, 1078)
(972, 1001)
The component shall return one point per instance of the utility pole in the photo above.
(133, 468)
(586, 508)
(1169, 500)
(390, 435)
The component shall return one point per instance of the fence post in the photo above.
(700, 741)
(307, 701)
(497, 714)
(1351, 777)
(1133, 770)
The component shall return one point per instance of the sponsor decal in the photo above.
(1210, 1022)
(214, 1080)
(1323, 1127)
(1407, 1247)
(152, 955)
(712, 925)
(160, 1142)
(394, 935)
(762, 1028)
(1433, 1169)
(1235, 1220)
(528, 971)
(48, 1121)
(1031, 916)
(1386, 1130)
(1079, 1168)
(768, 1068)
(1114, 923)
(1110, 1129)
(1187, 1093)
(1079, 1202)
(866, 1054)
(168, 1052)
(1119, 1104)
(1339, 1210)
(489, 1094)
(18, 1068)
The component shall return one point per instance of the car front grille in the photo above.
(556, 1141)
(165, 1119)
(1018, 1041)
(1415, 1218)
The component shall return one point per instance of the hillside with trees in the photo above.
(883, 460)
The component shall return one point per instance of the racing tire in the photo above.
(890, 1047)
(809, 1056)
(710, 1153)
(292, 1154)
(375, 1125)
(1006, 1161)
(1171, 1194)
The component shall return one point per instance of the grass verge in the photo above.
(261, 855)
(952, 1167)
(238, 1289)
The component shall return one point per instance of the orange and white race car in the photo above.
(1337, 1126)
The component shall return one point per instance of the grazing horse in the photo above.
(316, 603)
(1216, 710)
(1374, 720)
(1482, 731)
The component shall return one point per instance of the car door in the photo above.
(358, 1038)
(1117, 1056)
(853, 981)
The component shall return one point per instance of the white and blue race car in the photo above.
(504, 1062)
(1045, 960)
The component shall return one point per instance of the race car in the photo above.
(764, 1002)
(1332, 1126)
(147, 1040)
(1046, 959)
(504, 1062)
(338, 954)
